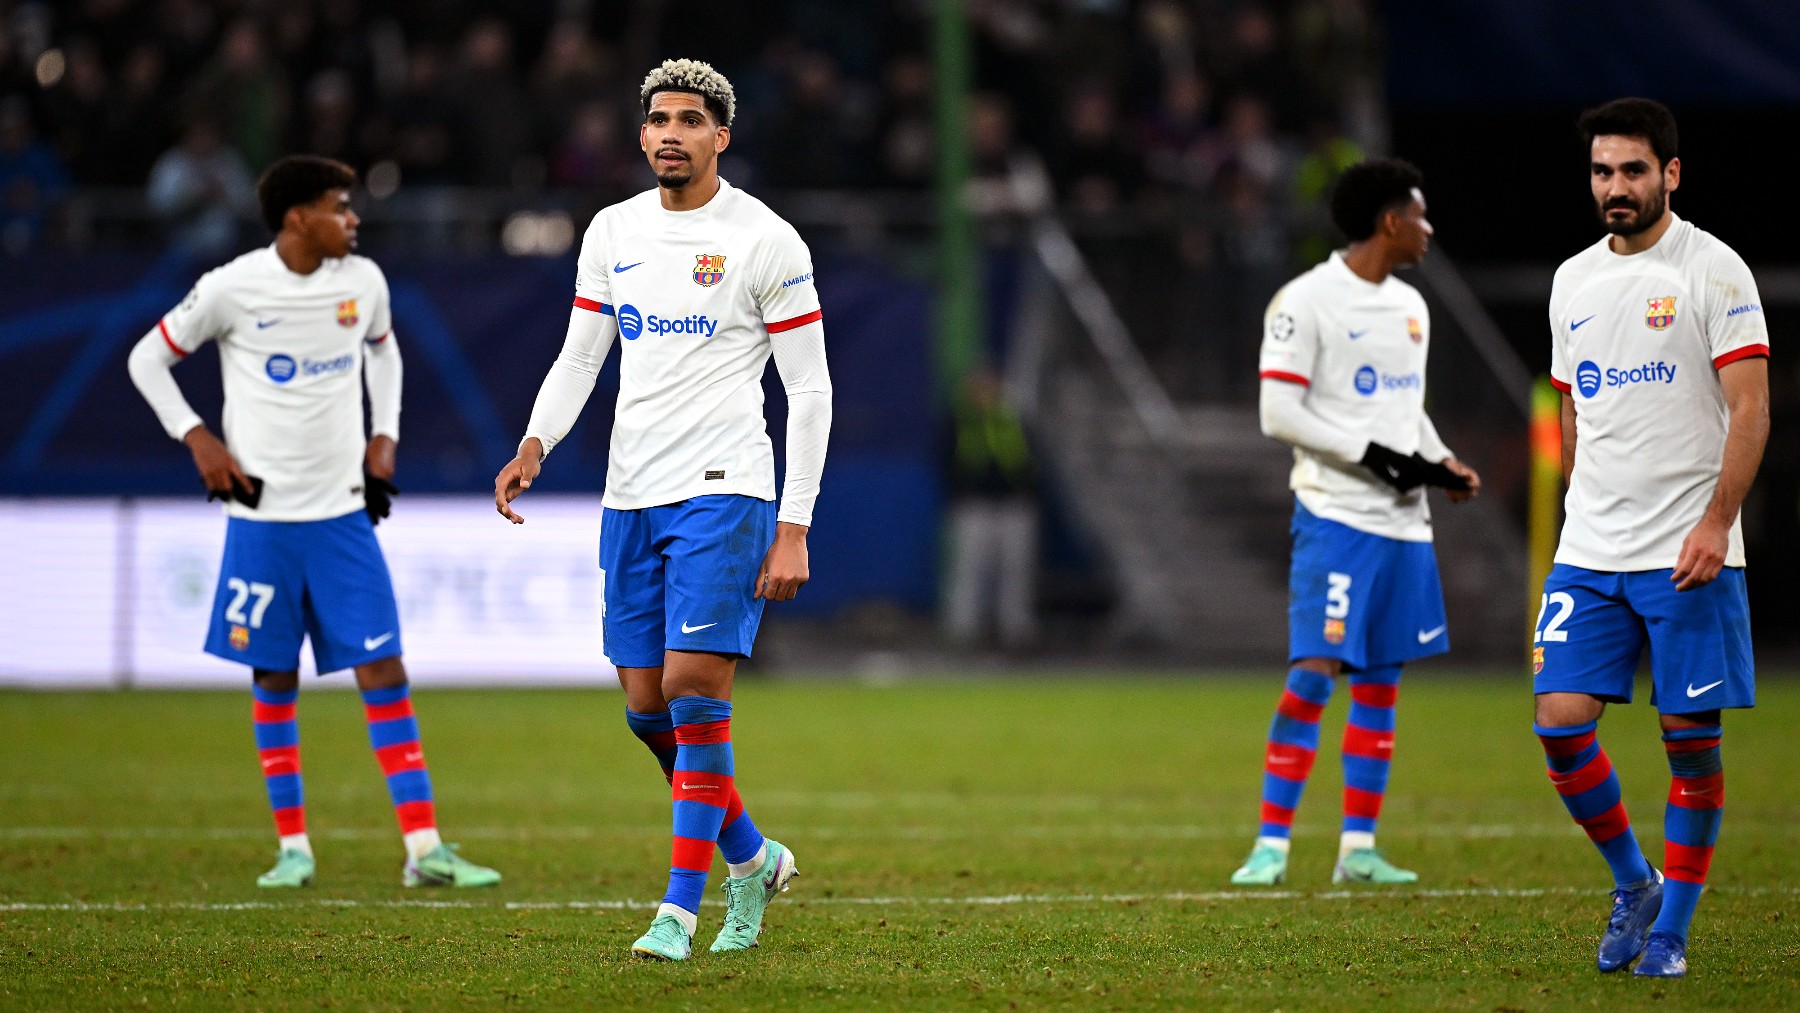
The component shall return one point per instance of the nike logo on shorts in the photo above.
(685, 628)
(1692, 692)
(370, 643)
(1427, 636)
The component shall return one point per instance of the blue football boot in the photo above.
(1635, 908)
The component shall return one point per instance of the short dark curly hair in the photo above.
(296, 180)
(1634, 117)
(1368, 190)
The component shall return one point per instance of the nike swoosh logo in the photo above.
(685, 628)
(1707, 791)
(414, 757)
(698, 787)
(774, 874)
(1692, 692)
(622, 268)
(1577, 324)
(260, 324)
(1427, 636)
(370, 643)
(1357, 334)
(1283, 759)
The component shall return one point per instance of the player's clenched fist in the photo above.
(784, 569)
(517, 477)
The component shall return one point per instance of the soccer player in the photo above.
(302, 325)
(703, 282)
(1660, 349)
(1343, 382)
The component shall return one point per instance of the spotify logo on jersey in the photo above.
(1587, 378)
(280, 368)
(631, 322)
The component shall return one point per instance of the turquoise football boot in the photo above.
(1366, 865)
(747, 898)
(293, 869)
(442, 866)
(667, 939)
(1266, 866)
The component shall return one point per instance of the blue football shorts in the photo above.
(682, 577)
(282, 581)
(1363, 599)
(1594, 624)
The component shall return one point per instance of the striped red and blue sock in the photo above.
(1690, 821)
(701, 788)
(1584, 777)
(1293, 745)
(739, 840)
(1368, 752)
(394, 732)
(278, 745)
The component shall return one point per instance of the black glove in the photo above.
(249, 497)
(378, 496)
(1396, 469)
(1438, 474)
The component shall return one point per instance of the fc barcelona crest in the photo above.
(1661, 313)
(709, 268)
(240, 638)
(347, 313)
(1334, 631)
(1537, 660)
(1414, 331)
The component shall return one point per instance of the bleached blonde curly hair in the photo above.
(696, 77)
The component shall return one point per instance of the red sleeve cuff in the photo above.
(1746, 352)
(1276, 374)
(1559, 385)
(777, 326)
(384, 337)
(591, 304)
(180, 353)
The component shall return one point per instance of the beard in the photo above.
(677, 177)
(1643, 217)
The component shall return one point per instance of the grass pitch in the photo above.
(1029, 843)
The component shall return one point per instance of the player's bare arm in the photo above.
(784, 569)
(218, 469)
(1745, 384)
(1568, 436)
(379, 458)
(516, 477)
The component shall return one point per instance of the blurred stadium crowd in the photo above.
(1133, 106)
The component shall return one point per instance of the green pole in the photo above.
(959, 314)
(1545, 501)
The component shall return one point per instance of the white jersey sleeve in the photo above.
(592, 327)
(1290, 341)
(382, 371)
(789, 302)
(1735, 325)
(192, 323)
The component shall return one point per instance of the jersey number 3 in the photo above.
(241, 592)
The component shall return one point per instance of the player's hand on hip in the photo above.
(379, 458)
(1463, 471)
(218, 469)
(1702, 555)
(784, 569)
(517, 477)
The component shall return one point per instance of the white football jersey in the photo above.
(1637, 341)
(1359, 349)
(291, 352)
(696, 295)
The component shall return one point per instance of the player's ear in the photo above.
(1672, 175)
(644, 137)
(721, 139)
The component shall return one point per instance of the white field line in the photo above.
(1129, 831)
(1001, 900)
